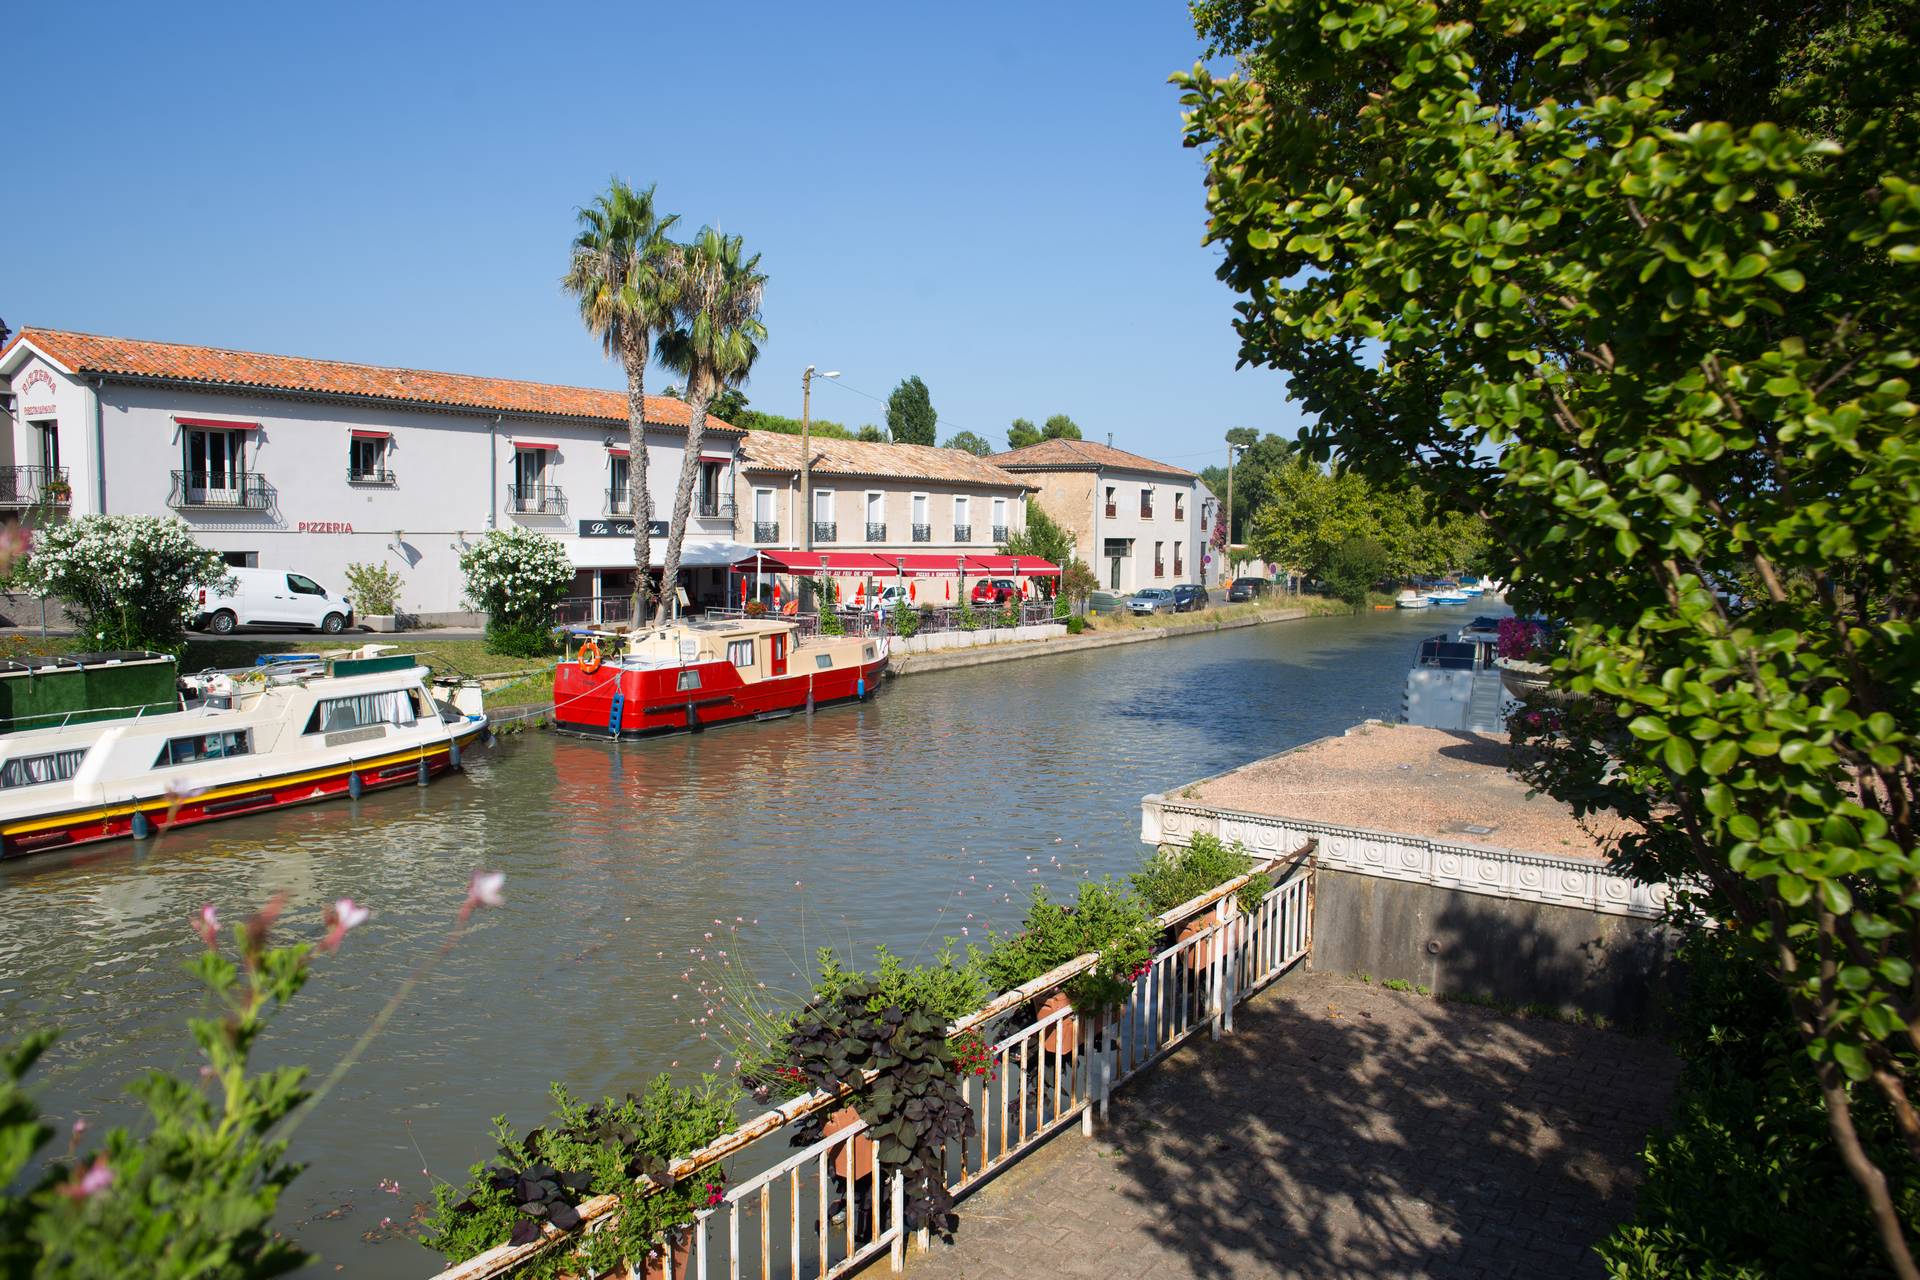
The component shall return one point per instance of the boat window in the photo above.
(31, 771)
(869, 653)
(823, 660)
(204, 746)
(740, 652)
(689, 680)
(331, 715)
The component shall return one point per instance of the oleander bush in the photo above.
(129, 580)
(516, 576)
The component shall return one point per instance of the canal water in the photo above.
(928, 812)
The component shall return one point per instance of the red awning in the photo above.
(1035, 567)
(359, 434)
(619, 450)
(217, 424)
(722, 459)
(926, 566)
(831, 563)
(534, 444)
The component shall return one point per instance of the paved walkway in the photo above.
(1342, 1130)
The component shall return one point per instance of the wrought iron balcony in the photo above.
(536, 499)
(963, 533)
(876, 532)
(231, 491)
(714, 507)
(1113, 511)
(826, 531)
(766, 531)
(34, 487)
(923, 533)
(999, 533)
(620, 501)
(1146, 507)
(373, 475)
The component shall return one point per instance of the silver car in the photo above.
(1150, 600)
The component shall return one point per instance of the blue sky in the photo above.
(991, 196)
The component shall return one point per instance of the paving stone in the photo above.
(1340, 1130)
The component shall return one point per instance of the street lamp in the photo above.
(1233, 451)
(806, 454)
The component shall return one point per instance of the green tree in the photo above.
(910, 415)
(871, 434)
(729, 405)
(717, 291)
(618, 275)
(968, 442)
(1265, 453)
(1022, 433)
(128, 579)
(1042, 537)
(1354, 568)
(756, 420)
(1636, 282)
(1060, 427)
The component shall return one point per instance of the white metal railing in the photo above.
(831, 1207)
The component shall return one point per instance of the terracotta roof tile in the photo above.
(777, 451)
(1082, 455)
(218, 366)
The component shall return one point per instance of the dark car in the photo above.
(1189, 598)
(1244, 589)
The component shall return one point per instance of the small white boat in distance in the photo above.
(1447, 596)
(1411, 600)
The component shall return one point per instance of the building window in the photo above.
(240, 559)
(1113, 502)
(922, 519)
(47, 445)
(999, 519)
(367, 458)
(1179, 565)
(531, 493)
(825, 529)
(1146, 503)
(331, 715)
(204, 746)
(766, 525)
(214, 465)
(619, 485)
(876, 516)
(962, 519)
(1179, 507)
(740, 652)
(1159, 563)
(31, 771)
(715, 501)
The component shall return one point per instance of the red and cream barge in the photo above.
(690, 675)
(242, 742)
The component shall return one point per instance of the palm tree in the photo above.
(714, 342)
(619, 275)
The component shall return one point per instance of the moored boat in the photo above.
(691, 675)
(1412, 600)
(245, 742)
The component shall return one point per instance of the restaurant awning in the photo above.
(542, 445)
(362, 433)
(1019, 566)
(831, 563)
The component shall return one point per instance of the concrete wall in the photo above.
(1510, 950)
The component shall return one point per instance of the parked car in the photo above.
(1106, 602)
(270, 598)
(881, 601)
(1150, 600)
(995, 590)
(1243, 589)
(1189, 598)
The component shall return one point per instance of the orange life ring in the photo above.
(589, 657)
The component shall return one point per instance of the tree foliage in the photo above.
(1043, 537)
(910, 415)
(1265, 453)
(870, 434)
(128, 579)
(969, 442)
(1643, 293)
(1307, 514)
(1059, 427)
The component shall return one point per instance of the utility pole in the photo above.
(806, 460)
(1233, 450)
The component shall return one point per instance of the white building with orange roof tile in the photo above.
(310, 465)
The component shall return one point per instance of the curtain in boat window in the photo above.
(335, 714)
(30, 771)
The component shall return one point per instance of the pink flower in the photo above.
(85, 1186)
(207, 925)
(342, 916)
(484, 891)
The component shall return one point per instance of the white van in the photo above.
(270, 598)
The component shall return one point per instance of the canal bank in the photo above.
(912, 664)
(931, 811)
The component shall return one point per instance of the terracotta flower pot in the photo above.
(853, 1160)
(654, 1266)
(1064, 1034)
(1200, 955)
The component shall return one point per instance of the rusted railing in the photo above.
(780, 1220)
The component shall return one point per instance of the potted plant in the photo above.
(376, 595)
(605, 1148)
(56, 492)
(1174, 875)
(1103, 917)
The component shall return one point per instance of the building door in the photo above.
(529, 477)
(777, 651)
(1113, 573)
(215, 466)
